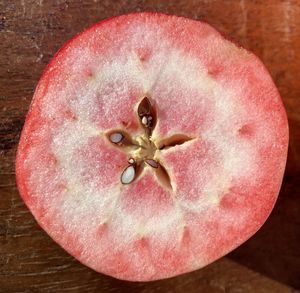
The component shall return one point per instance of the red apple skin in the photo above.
(224, 182)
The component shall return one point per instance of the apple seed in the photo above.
(116, 137)
(131, 161)
(128, 175)
(145, 120)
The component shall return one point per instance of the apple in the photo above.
(152, 147)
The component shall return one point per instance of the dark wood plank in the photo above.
(31, 32)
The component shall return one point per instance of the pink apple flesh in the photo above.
(198, 197)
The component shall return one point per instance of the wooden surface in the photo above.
(31, 32)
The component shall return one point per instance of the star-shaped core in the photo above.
(142, 149)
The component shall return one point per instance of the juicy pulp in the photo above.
(225, 180)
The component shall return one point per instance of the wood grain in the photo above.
(31, 32)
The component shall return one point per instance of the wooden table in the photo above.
(31, 32)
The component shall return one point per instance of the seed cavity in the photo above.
(128, 174)
(152, 163)
(120, 138)
(144, 107)
(174, 140)
(163, 177)
(147, 115)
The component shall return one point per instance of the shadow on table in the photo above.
(274, 250)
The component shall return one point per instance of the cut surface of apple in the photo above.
(153, 146)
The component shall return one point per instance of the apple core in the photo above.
(144, 149)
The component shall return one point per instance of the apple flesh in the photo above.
(153, 146)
